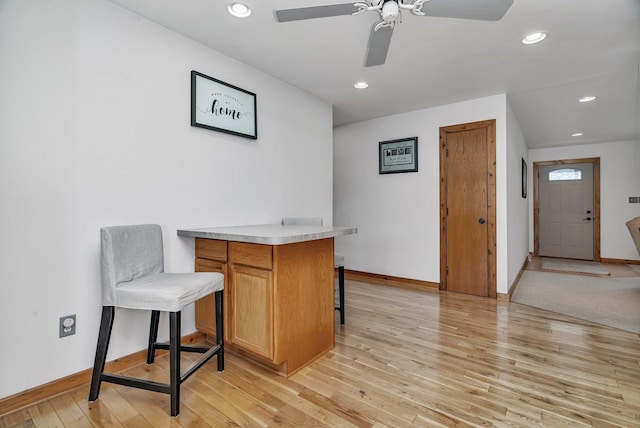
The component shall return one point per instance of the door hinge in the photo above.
(447, 271)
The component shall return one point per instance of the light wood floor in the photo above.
(404, 358)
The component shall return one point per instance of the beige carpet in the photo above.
(579, 266)
(610, 301)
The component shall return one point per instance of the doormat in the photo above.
(603, 300)
(578, 266)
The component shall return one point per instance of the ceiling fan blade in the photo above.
(486, 10)
(286, 15)
(378, 46)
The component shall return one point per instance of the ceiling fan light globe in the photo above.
(390, 11)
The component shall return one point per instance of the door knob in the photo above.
(481, 221)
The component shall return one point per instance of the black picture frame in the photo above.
(524, 178)
(220, 106)
(396, 156)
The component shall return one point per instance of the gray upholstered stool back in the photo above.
(128, 253)
(310, 221)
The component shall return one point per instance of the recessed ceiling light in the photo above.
(361, 85)
(577, 134)
(536, 37)
(587, 99)
(239, 10)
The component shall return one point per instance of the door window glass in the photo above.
(565, 174)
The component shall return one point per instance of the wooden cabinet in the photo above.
(279, 303)
(252, 315)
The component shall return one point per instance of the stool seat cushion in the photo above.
(338, 260)
(166, 291)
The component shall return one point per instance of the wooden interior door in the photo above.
(467, 168)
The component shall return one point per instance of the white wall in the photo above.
(619, 179)
(398, 215)
(95, 131)
(517, 206)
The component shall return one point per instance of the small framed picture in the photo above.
(524, 178)
(222, 107)
(398, 156)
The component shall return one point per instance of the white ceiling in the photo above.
(593, 48)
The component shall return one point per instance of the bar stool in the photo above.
(338, 259)
(133, 277)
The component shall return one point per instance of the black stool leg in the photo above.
(341, 292)
(104, 336)
(174, 362)
(220, 328)
(153, 336)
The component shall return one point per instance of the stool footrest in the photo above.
(135, 382)
(183, 348)
(157, 386)
(210, 352)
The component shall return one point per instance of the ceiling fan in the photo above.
(390, 12)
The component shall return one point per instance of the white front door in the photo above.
(566, 211)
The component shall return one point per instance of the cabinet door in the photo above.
(205, 307)
(252, 312)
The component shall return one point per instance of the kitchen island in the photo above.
(279, 290)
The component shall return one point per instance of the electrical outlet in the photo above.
(67, 325)
(633, 199)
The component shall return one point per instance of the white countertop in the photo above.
(270, 234)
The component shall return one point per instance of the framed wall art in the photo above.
(524, 178)
(398, 156)
(219, 106)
